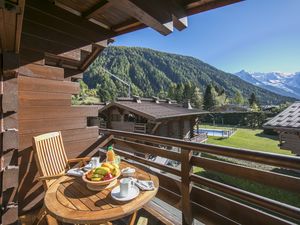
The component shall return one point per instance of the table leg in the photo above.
(133, 218)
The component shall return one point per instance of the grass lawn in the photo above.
(253, 139)
(250, 139)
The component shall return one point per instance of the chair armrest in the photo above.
(84, 159)
(51, 177)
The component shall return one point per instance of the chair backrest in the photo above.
(50, 155)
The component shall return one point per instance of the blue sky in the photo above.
(255, 35)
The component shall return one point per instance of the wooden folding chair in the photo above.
(52, 163)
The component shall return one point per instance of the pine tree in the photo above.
(253, 102)
(238, 98)
(179, 92)
(209, 99)
(196, 99)
(172, 91)
(188, 91)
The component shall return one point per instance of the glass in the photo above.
(116, 161)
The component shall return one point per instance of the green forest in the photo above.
(154, 73)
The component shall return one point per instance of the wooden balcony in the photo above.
(207, 200)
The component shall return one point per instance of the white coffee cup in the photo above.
(95, 161)
(125, 186)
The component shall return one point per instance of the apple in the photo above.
(108, 176)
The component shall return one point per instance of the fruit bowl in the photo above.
(100, 181)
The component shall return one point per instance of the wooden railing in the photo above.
(208, 200)
(140, 128)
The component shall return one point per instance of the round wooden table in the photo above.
(69, 200)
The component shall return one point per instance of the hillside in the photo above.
(152, 71)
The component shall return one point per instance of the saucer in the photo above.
(132, 193)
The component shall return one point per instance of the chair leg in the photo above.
(133, 218)
(40, 216)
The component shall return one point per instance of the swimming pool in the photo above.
(215, 132)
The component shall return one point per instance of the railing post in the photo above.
(186, 187)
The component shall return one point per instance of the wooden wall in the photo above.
(9, 140)
(45, 106)
(290, 141)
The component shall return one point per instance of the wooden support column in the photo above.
(192, 123)
(9, 139)
(186, 187)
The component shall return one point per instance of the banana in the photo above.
(102, 170)
(108, 165)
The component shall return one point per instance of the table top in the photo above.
(69, 200)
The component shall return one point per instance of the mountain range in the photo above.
(287, 84)
(151, 72)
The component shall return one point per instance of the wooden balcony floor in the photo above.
(143, 218)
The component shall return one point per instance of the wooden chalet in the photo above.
(45, 46)
(151, 116)
(287, 124)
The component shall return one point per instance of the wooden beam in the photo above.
(94, 9)
(199, 6)
(147, 12)
(66, 21)
(178, 12)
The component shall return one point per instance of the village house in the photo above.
(151, 116)
(287, 124)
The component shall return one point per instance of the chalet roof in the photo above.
(287, 119)
(154, 110)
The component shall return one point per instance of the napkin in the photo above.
(145, 185)
(75, 172)
(88, 167)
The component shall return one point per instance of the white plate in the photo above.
(132, 193)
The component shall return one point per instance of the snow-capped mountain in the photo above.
(287, 84)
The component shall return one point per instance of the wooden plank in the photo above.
(10, 215)
(199, 6)
(36, 28)
(96, 51)
(207, 216)
(260, 201)
(35, 113)
(53, 16)
(10, 140)
(29, 56)
(265, 177)
(19, 25)
(245, 154)
(161, 214)
(39, 99)
(137, 147)
(48, 125)
(148, 162)
(43, 85)
(39, 71)
(238, 212)
(94, 9)
(68, 136)
(42, 45)
(10, 30)
(80, 134)
(10, 121)
(186, 171)
(81, 148)
(10, 92)
(148, 13)
(10, 185)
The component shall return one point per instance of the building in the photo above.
(287, 124)
(151, 116)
